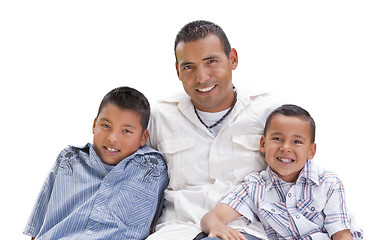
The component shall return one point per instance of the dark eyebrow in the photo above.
(185, 64)
(105, 119)
(209, 58)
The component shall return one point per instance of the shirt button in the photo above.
(312, 208)
(106, 184)
(298, 216)
(98, 208)
(273, 210)
(289, 195)
(89, 232)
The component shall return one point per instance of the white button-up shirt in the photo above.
(203, 168)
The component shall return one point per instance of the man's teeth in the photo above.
(206, 89)
(111, 149)
(285, 160)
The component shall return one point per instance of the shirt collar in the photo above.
(308, 173)
(88, 154)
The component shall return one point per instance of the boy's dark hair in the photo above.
(200, 29)
(294, 111)
(130, 99)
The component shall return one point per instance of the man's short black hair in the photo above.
(200, 29)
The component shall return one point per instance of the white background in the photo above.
(59, 58)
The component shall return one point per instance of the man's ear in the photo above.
(312, 151)
(233, 56)
(262, 145)
(144, 138)
(177, 69)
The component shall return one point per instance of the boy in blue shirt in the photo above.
(111, 189)
(293, 198)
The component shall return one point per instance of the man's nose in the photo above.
(203, 75)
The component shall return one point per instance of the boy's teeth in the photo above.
(285, 160)
(111, 149)
(206, 89)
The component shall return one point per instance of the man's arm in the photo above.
(214, 223)
(342, 235)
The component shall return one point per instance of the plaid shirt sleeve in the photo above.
(337, 217)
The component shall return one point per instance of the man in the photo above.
(209, 134)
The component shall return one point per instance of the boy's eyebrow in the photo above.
(104, 119)
(125, 125)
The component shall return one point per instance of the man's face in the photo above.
(205, 72)
(117, 134)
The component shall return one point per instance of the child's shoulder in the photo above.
(323, 176)
(261, 177)
(152, 159)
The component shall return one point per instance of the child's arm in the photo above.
(342, 235)
(214, 223)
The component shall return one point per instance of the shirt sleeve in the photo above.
(36, 218)
(337, 217)
(163, 183)
(241, 201)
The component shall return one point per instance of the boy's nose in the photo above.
(112, 137)
(285, 147)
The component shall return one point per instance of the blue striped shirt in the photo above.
(80, 199)
(312, 208)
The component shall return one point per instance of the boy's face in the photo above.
(287, 146)
(206, 72)
(117, 134)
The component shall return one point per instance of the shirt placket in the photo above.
(99, 212)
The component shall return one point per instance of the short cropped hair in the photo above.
(200, 29)
(130, 99)
(294, 111)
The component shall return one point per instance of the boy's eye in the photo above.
(276, 139)
(298, 142)
(127, 131)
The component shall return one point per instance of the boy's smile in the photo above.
(287, 146)
(117, 134)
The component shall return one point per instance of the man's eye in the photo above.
(105, 126)
(212, 61)
(187, 67)
(127, 131)
(276, 139)
(298, 142)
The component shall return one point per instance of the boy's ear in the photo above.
(144, 138)
(93, 125)
(312, 151)
(262, 143)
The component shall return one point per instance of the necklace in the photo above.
(222, 118)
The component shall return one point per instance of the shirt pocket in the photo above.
(312, 209)
(179, 153)
(134, 205)
(247, 157)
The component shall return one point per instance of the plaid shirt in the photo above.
(312, 208)
(82, 200)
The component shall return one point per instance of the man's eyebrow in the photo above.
(185, 64)
(209, 58)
